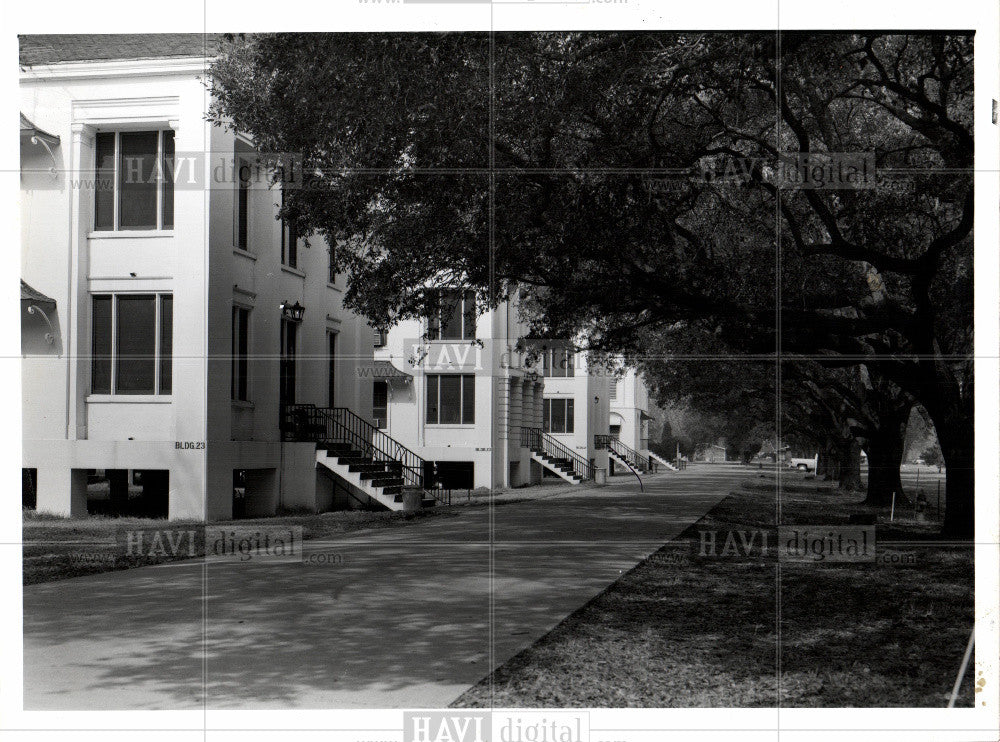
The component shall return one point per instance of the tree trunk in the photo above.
(957, 439)
(885, 454)
(850, 465)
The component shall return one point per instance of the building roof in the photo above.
(55, 48)
(34, 295)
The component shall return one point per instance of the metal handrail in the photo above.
(341, 425)
(632, 457)
(536, 440)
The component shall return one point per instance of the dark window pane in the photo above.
(570, 361)
(432, 399)
(168, 180)
(451, 315)
(137, 181)
(104, 187)
(468, 399)
(100, 368)
(332, 379)
(135, 362)
(558, 416)
(569, 415)
(166, 343)
(546, 412)
(242, 205)
(547, 363)
(451, 399)
(380, 402)
(470, 315)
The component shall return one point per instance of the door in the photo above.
(332, 369)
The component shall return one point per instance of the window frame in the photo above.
(114, 359)
(235, 377)
(567, 359)
(569, 415)
(289, 241)
(161, 182)
(435, 324)
(384, 418)
(241, 214)
(463, 380)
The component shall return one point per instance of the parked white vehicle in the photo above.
(804, 464)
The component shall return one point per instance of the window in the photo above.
(454, 318)
(451, 399)
(134, 186)
(557, 415)
(132, 345)
(558, 362)
(614, 390)
(380, 403)
(241, 348)
(332, 265)
(332, 368)
(243, 205)
(379, 339)
(286, 366)
(289, 241)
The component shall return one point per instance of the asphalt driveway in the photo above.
(408, 617)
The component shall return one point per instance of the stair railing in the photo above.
(634, 459)
(536, 440)
(340, 425)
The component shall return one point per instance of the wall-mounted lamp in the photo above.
(293, 312)
(597, 399)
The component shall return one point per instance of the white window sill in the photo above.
(131, 234)
(243, 253)
(293, 271)
(239, 404)
(452, 426)
(129, 399)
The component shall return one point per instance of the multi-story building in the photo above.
(453, 389)
(630, 416)
(576, 403)
(167, 315)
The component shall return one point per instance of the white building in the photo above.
(162, 320)
(577, 403)
(629, 420)
(453, 390)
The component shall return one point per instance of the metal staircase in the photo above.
(370, 463)
(622, 454)
(556, 457)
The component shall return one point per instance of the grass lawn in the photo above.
(55, 548)
(683, 630)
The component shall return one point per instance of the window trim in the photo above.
(568, 361)
(569, 420)
(461, 404)
(289, 246)
(237, 195)
(435, 324)
(114, 394)
(247, 324)
(161, 184)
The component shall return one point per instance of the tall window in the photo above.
(454, 318)
(380, 403)
(241, 350)
(557, 415)
(451, 399)
(558, 362)
(244, 173)
(331, 276)
(286, 370)
(134, 187)
(332, 368)
(132, 344)
(379, 339)
(614, 389)
(289, 241)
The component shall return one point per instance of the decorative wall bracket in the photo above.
(50, 335)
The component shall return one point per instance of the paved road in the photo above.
(396, 618)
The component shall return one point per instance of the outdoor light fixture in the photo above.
(596, 399)
(292, 311)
